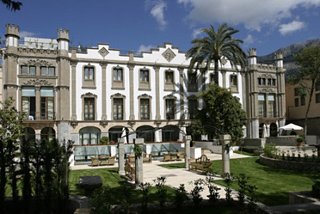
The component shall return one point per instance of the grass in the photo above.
(110, 177)
(273, 184)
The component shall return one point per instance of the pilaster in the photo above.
(157, 68)
(131, 86)
(104, 92)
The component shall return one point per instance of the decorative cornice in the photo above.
(117, 95)
(37, 82)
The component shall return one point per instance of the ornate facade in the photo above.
(84, 94)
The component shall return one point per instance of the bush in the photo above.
(316, 189)
(270, 150)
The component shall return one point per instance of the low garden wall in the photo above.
(282, 140)
(290, 164)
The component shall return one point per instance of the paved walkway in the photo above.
(174, 177)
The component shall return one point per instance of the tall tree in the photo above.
(222, 113)
(216, 47)
(12, 5)
(308, 75)
(11, 130)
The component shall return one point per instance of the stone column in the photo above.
(225, 142)
(187, 151)
(121, 156)
(157, 135)
(182, 133)
(224, 82)
(139, 162)
(182, 93)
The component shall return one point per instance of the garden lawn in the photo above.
(109, 176)
(272, 185)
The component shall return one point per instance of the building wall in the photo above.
(70, 88)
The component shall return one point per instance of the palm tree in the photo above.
(215, 47)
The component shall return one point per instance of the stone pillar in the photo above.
(157, 135)
(225, 142)
(63, 132)
(182, 133)
(182, 93)
(139, 161)
(187, 151)
(121, 156)
(224, 79)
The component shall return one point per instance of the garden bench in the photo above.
(129, 170)
(102, 160)
(171, 157)
(146, 158)
(201, 164)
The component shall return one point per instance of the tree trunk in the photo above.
(216, 72)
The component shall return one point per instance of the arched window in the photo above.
(48, 134)
(89, 135)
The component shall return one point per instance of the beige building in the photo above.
(265, 96)
(83, 94)
(297, 106)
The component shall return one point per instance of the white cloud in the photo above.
(196, 32)
(145, 48)
(291, 27)
(248, 40)
(157, 11)
(26, 34)
(253, 14)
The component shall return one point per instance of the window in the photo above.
(192, 107)
(269, 81)
(169, 77)
(47, 71)
(89, 136)
(28, 97)
(261, 105)
(144, 75)
(263, 81)
(296, 91)
(88, 73)
(317, 86)
(118, 74)
(192, 82)
(28, 70)
(273, 82)
(89, 108)
(234, 83)
(271, 106)
(318, 98)
(259, 81)
(118, 109)
(170, 108)
(296, 102)
(47, 103)
(303, 100)
(145, 109)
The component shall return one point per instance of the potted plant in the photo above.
(300, 141)
(104, 140)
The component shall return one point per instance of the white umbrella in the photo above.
(291, 126)
(124, 135)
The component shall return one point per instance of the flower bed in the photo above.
(294, 163)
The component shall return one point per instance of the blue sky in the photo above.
(138, 25)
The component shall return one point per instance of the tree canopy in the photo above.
(221, 114)
(12, 5)
(216, 47)
(308, 74)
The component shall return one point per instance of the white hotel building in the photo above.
(84, 94)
